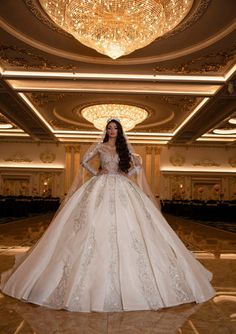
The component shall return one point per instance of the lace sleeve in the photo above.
(136, 164)
(88, 156)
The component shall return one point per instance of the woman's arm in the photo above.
(88, 156)
(136, 164)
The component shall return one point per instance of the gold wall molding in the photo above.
(177, 160)
(213, 62)
(31, 182)
(206, 163)
(232, 161)
(12, 55)
(18, 158)
(197, 186)
(47, 157)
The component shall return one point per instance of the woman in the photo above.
(109, 248)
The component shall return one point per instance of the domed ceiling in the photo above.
(185, 79)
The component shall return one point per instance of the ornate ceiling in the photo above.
(186, 79)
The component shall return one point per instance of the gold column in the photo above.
(69, 167)
(157, 173)
(149, 164)
(76, 159)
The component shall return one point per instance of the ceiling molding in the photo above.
(206, 42)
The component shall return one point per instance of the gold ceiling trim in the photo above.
(128, 61)
(59, 86)
(32, 63)
(177, 78)
(71, 121)
(77, 111)
(59, 134)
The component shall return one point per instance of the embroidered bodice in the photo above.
(109, 160)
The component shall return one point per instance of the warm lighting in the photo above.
(114, 76)
(32, 166)
(167, 169)
(116, 27)
(129, 115)
(196, 109)
(6, 126)
(170, 88)
(11, 134)
(232, 120)
(225, 131)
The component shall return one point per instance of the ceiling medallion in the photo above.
(129, 115)
(117, 27)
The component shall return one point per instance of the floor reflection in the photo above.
(27, 318)
(214, 248)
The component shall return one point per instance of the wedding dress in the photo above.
(108, 249)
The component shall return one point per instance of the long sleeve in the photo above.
(137, 164)
(88, 156)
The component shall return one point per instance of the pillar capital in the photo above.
(157, 149)
(68, 148)
(149, 149)
(76, 148)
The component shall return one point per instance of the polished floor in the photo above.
(216, 249)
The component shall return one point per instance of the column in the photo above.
(76, 159)
(149, 164)
(69, 167)
(157, 172)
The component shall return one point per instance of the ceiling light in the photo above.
(116, 27)
(232, 120)
(6, 126)
(129, 115)
(225, 131)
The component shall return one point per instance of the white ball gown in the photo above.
(108, 249)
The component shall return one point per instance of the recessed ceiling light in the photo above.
(225, 131)
(232, 120)
(6, 126)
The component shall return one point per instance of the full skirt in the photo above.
(108, 249)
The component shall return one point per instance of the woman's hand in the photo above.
(102, 171)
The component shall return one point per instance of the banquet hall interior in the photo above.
(172, 85)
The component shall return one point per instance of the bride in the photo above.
(109, 248)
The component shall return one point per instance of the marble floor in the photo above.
(216, 249)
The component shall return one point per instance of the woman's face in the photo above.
(112, 130)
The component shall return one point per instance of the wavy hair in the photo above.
(121, 147)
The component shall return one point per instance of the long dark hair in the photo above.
(121, 147)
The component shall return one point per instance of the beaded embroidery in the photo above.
(113, 300)
(83, 270)
(146, 275)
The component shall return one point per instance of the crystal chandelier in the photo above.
(116, 27)
(129, 115)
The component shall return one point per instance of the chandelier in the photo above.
(116, 27)
(128, 115)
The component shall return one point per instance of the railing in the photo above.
(204, 210)
(23, 206)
